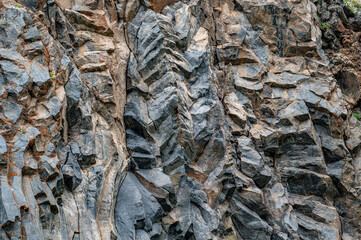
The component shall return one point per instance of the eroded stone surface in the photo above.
(179, 120)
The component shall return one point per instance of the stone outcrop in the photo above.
(199, 119)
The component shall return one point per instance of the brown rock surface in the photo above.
(201, 119)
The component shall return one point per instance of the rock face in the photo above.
(199, 119)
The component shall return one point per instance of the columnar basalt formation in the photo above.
(194, 119)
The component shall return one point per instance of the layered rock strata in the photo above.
(179, 120)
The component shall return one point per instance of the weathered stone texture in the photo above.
(200, 119)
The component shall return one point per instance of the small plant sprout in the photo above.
(52, 75)
(324, 27)
(18, 5)
(354, 5)
(22, 130)
(357, 116)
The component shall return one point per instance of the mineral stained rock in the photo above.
(193, 119)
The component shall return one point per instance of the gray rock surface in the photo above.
(200, 120)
